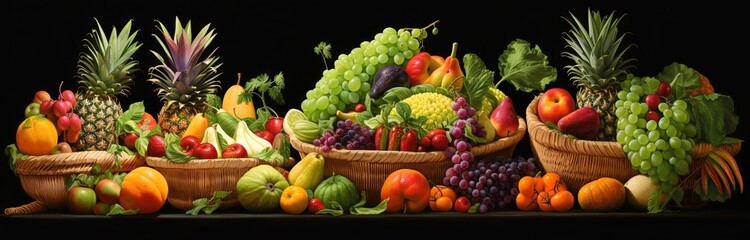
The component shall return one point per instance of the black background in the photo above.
(257, 37)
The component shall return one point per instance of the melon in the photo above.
(260, 188)
(638, 189)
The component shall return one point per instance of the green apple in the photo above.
(31, 109)
(81, 200)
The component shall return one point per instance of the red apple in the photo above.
(554, 104)
(107, 191)
(128, 140)
(156, 146)
(148, 120)
(314, 205)
(205, 150)
(41, 96)
(265, 134)
(234, 150)
(653, 100)
(188, 144)
(274, 125)
(664, 89)
(462, 204)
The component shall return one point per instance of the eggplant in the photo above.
(387, 77)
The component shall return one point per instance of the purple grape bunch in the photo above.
(347, 135)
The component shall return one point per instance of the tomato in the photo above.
(294, 200)
(462, 204)
(438, 191)
(526, 202)
(526, 185)
(544, 201)
(439, 142)
(562, 201)
(552, 181)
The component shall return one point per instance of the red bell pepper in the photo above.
(381, 137)
(394, 138)
(409, 141)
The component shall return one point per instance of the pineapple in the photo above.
(599, 66)
(105, 70)
(184, 78)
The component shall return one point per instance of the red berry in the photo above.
(652, 115)
(664, 89)
(653, 100)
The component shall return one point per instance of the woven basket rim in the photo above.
(74, 162)
(378, 156)
(160, 162)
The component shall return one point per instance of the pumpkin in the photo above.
(231, 105)
(36, 135)
(600, 195)
(143, 189)
(337, 188)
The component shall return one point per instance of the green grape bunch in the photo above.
(350, 79)
(658, 136)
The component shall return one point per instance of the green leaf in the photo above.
(206, 205)
(715, 119)
(135, 113)
(335, 210)
(422, 88)
(141, 145)
(13, 154)
(681, 78)
(478, 80)
(403, 109)
(323, 49)
(474, 208)
(358, 208)
(271, 156)
(396, 94)
(651, 85)
(525, 67)
(117, 209)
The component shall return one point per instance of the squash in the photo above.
(197, 126)
(601, 195)
(36, 136)
(230, 99)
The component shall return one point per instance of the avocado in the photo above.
(387, 77)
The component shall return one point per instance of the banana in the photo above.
(308, 172)
(733, 164)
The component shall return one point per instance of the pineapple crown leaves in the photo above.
(107, 66)
(598, 60)
(183, 77)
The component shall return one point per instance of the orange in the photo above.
(438, 191)
(293, 200)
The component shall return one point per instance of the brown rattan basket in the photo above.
(200, 178)
(368, 169)
(43, 177)
(581, 161)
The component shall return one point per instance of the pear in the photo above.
(583, 123)
(504, 118)
(483, 118)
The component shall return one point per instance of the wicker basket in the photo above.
(200, 178)
(43, 177)
(368, 169)
(581, 161)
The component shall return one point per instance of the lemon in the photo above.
(292, 116)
